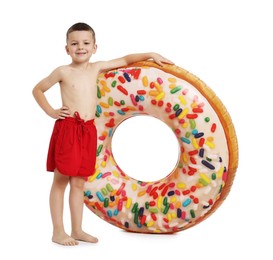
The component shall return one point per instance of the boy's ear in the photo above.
(66, 49)
(95, 48)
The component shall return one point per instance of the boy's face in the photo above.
(80, 46)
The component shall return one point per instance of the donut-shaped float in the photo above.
(207, 161)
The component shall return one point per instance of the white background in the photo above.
(227, 44)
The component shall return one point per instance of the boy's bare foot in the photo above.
(64, 239)
(82, 236)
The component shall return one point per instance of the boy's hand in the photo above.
(61, 113)
(158, 59)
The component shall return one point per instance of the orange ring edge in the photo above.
(224, 118)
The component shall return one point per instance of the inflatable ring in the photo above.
(207, 161)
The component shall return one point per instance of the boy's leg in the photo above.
(56, 208)
(76, 200)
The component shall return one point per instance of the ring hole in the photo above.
(145, 148)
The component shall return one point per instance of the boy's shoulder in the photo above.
(62, 70)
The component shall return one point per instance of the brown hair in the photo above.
(81, 27)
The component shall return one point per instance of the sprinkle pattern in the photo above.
(185, 195)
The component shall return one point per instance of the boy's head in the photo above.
(81, 27)
(81, 42)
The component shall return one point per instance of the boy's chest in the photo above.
(80, 81)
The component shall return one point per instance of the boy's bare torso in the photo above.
(79, 91)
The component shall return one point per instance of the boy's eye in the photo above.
(73, 43)
(87, 43)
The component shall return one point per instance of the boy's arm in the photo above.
(132, 58)
(43, 86)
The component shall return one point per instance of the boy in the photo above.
(72, 149)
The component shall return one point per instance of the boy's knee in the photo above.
(60, 180)
(77, 182)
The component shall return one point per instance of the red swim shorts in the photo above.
(72, 148)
